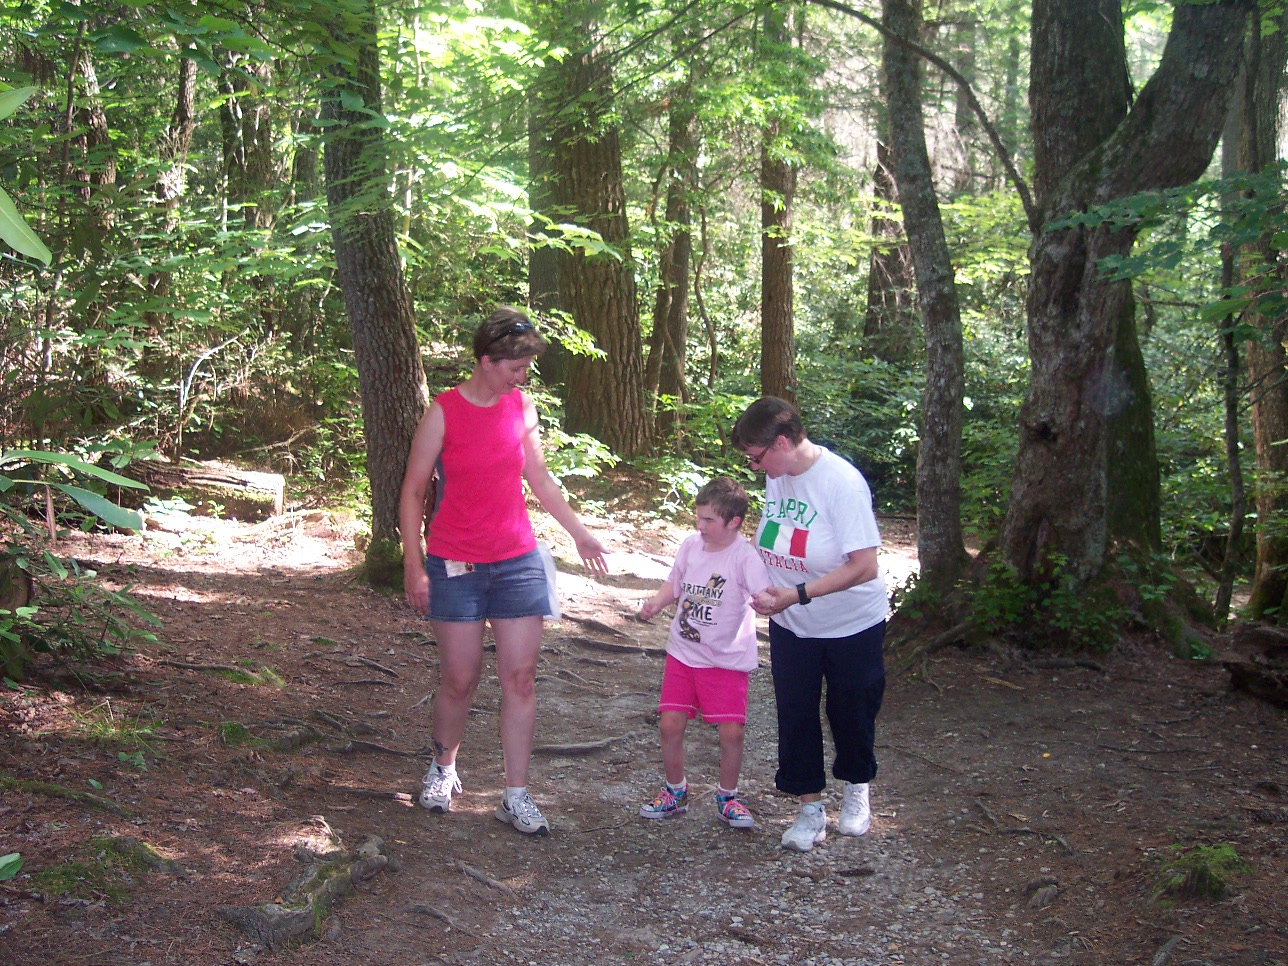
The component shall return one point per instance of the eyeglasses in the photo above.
(759, 456)
(518, 327)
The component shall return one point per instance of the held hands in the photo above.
(774, 600)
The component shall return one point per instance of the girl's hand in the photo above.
(774, 600)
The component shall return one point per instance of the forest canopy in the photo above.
(1040, 307)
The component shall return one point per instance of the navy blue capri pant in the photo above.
(854, 670)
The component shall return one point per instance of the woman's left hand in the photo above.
(774, 600)
(592, 555)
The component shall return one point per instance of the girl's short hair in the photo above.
(765, 420)
(725, 496)
(508, 333)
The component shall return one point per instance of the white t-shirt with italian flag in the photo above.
(809, 525)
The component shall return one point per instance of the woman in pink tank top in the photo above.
(482, 562)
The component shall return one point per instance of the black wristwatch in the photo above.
(801, 596)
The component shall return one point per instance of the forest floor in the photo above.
(1022, 814)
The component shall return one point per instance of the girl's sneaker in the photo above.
(667, 805)
(733, 812)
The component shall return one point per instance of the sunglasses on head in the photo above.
(518, 327)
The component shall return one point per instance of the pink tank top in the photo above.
(482, 516)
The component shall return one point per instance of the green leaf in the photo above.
(119, 40)
(10, 865)
(89, 469)
(1219, 310)
(55, 566)
(17, 235)
(10, 101)
(95, 784)
(105, 510)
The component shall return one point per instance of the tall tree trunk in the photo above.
(1084, 374)
(963, 117)
(1259, 128)
(605, 396)
(777, 191)
(176, 141)
(99, 156)
(1232, 371)
(543, 260)
(664, 372)
(940, 549)
(391, 378)
(171, 183)
(889, 326)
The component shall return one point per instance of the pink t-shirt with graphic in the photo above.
(714, 624)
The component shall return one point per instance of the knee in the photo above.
(732, 733)
(458, 686)
(519, 684)
(673, 725)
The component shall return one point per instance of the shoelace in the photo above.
(438, 781)
(525, 808)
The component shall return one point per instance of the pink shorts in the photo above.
(718, 692)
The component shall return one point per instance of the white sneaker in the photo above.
(523, 814)
(808, 830)
(437, 788)
(856, 814)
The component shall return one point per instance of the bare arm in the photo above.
(426, 445)
(859, 567)
(664, 597)
(548, 494)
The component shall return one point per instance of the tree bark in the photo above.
(543, 260)
(889, 325)
(99, 156)
(777, 191)
(940, 549)
(1083, 374)
(605, 396)
(171, 182)
(1258, 138)
(664, 372)
(391, 378)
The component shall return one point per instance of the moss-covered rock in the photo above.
(307, 902)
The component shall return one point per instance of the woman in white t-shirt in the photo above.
(818, 537)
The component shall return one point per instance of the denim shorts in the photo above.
(503, 590)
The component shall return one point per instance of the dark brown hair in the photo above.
(508, 334)
(725, 496)
(765, 420)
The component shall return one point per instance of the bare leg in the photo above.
(460, 665)
(731, 742)
(673, 725)
(518, 645)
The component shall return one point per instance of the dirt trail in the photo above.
(998, 782)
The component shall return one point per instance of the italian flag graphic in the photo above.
(784, 539)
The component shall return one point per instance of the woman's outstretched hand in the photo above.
(592, 555)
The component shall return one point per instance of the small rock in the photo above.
(1043, 897)
(333, 928)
